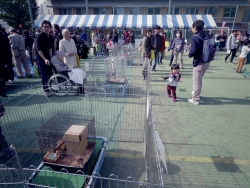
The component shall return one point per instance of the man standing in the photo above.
(44, 44)
(157, 44)
(114, 39)
(163, 36)
(232, 47)
(126, 36)
(199, 67)
(84, 36)
(18, 50)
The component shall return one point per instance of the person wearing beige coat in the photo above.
(68, 46)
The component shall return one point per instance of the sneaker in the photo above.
(29, 75)
(236, 71)
(174, 100)
(193, 92)
(169, 96)
(11, 81)
(239, 72)
(231, 63)
(225, 61)
(192, 101)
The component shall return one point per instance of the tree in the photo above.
(16, 12)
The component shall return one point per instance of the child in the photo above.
(243, 55)
(145, 68)
(98, 49)
(173, 77)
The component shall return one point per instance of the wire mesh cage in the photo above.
(122, 120)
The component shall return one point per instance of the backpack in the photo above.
(208, 51)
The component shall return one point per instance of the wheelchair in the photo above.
(59, 84)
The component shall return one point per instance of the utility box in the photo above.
(76, 139)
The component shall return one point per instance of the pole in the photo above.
(113, 10)
(173, 10)
(235, 15)
(169, 6)
(87, 6)
(31, 15)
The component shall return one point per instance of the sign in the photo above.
(161, 150)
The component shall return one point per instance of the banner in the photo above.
(222, 28)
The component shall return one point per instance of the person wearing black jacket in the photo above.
(29, 41)
(114, 39)
(58, 36)
(157, 44)
(199, 67)
(5, 59)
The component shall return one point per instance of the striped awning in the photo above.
(126, 21)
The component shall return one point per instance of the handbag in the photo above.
(15, 50)
(152, 54)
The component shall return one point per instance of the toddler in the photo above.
(173, 77)
(243, 55)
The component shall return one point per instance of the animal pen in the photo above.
(120, 124)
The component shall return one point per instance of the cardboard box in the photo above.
(76, 133)
(76, 139)
(76, 148)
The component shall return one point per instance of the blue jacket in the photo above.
(196, 48)
(84, 36)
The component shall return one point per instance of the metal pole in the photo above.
(87, 6)
(113, 10)
(173, 11)
(235, 15)
(31, 15)
(169, 6)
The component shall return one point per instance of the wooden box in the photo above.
(76, 148)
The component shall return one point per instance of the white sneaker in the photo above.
(193, 93)
(11, 81)
(192, 101)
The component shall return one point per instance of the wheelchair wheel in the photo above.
(59, 85)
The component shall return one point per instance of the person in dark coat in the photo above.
(5, 59)
(29, 41)
(157, 44)
(132, 40)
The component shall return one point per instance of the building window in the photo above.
(135, 10)
(246, 15)
(192, 10)
(64, 11)
(174, 11)
(118, 10)
(80, 11)
(229, 13)
(211, 10)
(152, 11)
(99, 10)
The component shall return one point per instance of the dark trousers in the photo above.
(232, 53)
(3, 143)
(144, 73)
(45, 70)
(171, 59)
(8, 62)
(173, 89)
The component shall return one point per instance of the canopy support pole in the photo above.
(235, 15)
(87, 6)
(169, 7)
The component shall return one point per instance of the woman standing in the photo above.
(178, 48)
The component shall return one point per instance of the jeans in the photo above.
(45, 70)
(161, 56)
(233, 52)
(180, 54)
(198, 73)
(156, 59)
